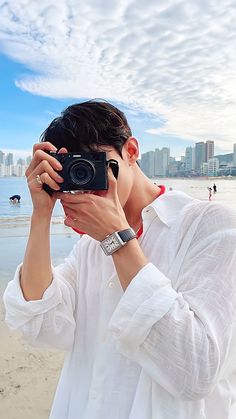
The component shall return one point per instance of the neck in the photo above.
(142, 194)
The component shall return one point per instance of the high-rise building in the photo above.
(19, 170)
(147, 163)
(9, 159)
(209, 150)
(162, 158)
(21, 161)
(189, 159)
(1, 157)
(234, 155)
(204, 169)
(200, 154)
(2, 169)
(213, 167)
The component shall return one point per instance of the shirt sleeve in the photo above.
(48, 322)
(181, 337)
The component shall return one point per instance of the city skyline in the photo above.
(24, 153)
(148, 61)
(200, 160)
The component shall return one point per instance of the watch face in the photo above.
(112, 243)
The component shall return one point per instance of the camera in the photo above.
(86, 171)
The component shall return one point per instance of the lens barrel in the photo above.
(82, 172)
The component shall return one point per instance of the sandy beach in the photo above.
(28, 377)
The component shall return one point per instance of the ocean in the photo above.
(194, 187)
(18, 186)
(14, 228)
(15, 218)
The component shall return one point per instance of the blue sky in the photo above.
(169, 66)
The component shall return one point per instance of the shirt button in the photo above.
(111, 284)
(104, 338)
(93, 395)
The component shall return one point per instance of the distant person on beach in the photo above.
(145, 303)
(15, 199)
(214, 188)
(210, 193)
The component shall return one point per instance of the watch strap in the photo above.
(127, 234)
(122, 237)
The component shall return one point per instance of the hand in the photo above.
(97, 214)
(46, 167)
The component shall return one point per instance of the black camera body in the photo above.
(86, 171)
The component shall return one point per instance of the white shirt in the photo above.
(163, 349)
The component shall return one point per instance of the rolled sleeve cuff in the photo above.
(147, 299)
(18, 309)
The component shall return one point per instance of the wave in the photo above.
(21, 221)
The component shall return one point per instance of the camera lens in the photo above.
(82, 173)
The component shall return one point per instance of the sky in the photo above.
(169, 65)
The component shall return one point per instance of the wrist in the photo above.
(116, 240)
(41, 217)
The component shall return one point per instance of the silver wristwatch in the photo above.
(116, 240)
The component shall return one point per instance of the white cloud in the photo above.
(171, 58)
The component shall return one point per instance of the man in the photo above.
(150, 328)
(15, 199)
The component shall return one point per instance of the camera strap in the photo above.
(113, 164)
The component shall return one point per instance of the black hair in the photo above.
(87, 125)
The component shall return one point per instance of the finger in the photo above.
(45, 145)
(72, 213)
(77, 198)
(45, 178)
(45, 166)
(39, 156)
(62, 150)
(70, 222)
(47, 175)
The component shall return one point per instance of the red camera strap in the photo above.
(140, 231)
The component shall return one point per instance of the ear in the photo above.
(131, 150)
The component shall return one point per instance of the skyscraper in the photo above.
(189, 159)
(209, 150)
(200, 154)
(162, 158)
(9, 159)
(234, 155)
(213, 167)
(1, 157)
(147, 163)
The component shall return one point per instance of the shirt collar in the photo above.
(166, 207)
